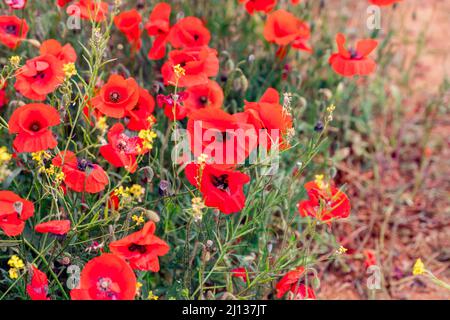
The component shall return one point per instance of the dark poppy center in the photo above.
(203, 100)
(11, 29)
(83, 164)
(220, 182)
(183, 64)
(354, 54)
(35, 126)
(121, 145)
(114, 97)
(196, 37)
(39, 75)
(137, 247)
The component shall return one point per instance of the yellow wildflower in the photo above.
(147, 136)
(16, 262)
(13, 273)
(197, 208)
(419, 267)
(151, 296)
(15, 61)
(101, 124)
(69, 70)
(5, 156)
(136, 191)
(179, 71)
(319, 181)
(341, 250)
(138, 219)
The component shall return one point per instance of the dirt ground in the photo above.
(405, 213)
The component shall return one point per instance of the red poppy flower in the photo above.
(173, 105)
(31, 122)
(291, 282)
(107, 277)
(259, 5)
(209, 95)
(223, 137)
(117, 96)
(199, 64)
(383, 2)
(122, 149)
(58, 227)
(39, 77)
(16, 4)
(141, 249)
(240, 273)
(14, 211)
(269, 118)
(128, 22)
(283, 28)
(140, 117)
(90, 10)
(62, 3)
(325, 202)
(113, 201)
(12, 31)
(353, 62)
(3, 98)
(294, 2)
(81, 175)
(221, 188)
(64, 53)
(371, 259)
(159, 26)
(37, 289)
(189, 32)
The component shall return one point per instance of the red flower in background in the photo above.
(62, 3)
(14, 211)
(16, 4)
(371, 259)
(173, 105)
(107, 277)
(221, 188)
(12, 31)
(240, 273)
(39, 77)
(81, 175)
(217, 134)
(259, 5)
(353, 62)
(31, 123)
(189, 32)
(89, 10)
(158, 26)
(325, 202)
(295, 2)
(383, 2)
(58, 227)
(141, 249)
(128, 22)
(291, 283)
(3, 97)
(122, 149)
(209, 95)
(284, 29)
(266, 115)
(199, 64)
(37, 289)
(117, 96)
(140, 117)
(65, 53)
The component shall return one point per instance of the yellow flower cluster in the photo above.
(197, 208)
(179, 71)
(15, 61)
(152, 296)
(5, 157)
(16, 265)
(147, 136)
(319, 181)
(69, 70)
(129, 194)
(419, 267)
(51, 170)
(341, 250)
(330, 111)
(101, 124)
(138, 219)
